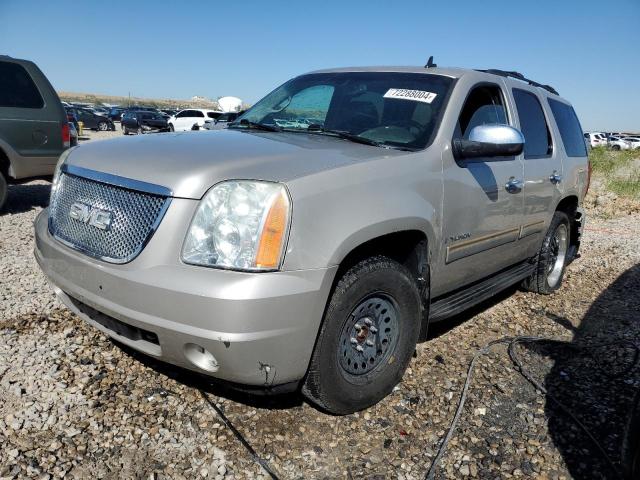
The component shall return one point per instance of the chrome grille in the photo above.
(134, 217)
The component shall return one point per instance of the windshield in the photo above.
(389, 108)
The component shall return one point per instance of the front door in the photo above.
(481, 215)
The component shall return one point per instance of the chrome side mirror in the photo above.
(489, 141)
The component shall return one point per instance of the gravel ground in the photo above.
(73, 403)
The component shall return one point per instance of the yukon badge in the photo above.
(96, 217)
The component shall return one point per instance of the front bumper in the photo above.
(255, 329)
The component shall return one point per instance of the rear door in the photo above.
(481, 218)
(542, 167)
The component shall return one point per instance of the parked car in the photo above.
(616, 143)
(222, 121)
(143, 122)
(115, 114)
(596, 139)
(191, 119)
(310, 244)
(634, 142)
(34, 130)
(73, 135)
(91, 120)
(71, 117)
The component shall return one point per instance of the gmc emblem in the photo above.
(96, 217)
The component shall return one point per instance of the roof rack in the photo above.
(519, 76)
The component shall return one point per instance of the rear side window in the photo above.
(569, 127)
(17, 89)
(197, 113)
(213, 115)
(533, 124)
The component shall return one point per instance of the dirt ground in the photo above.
(74, 404)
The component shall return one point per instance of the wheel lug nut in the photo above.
(357, 326)
(368, 322)
(353, 340)
(373, 330)
(359, 348)
(370, 343)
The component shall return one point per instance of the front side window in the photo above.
(537, 138)
(197, 113)
(392, 109)
(17, 89)
(182, 114)
(484, 106)
(213, 115)
(570, 129)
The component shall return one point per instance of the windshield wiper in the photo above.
(258, 126)
(314, 127)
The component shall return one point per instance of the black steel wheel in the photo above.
(367, 337)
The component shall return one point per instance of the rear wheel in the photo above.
(552, 258)
(139, 131)
(4, 191)
(171, 129)
(367, 337)
(615, 147)
(125, 131)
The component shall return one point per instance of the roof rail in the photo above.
(519, 76)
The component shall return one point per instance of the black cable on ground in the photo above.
(257, 458)
(512, 342)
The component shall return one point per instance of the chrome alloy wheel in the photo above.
(558, 247)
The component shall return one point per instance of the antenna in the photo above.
(430, 63)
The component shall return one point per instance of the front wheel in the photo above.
(615, 147)
(103, 126)
(367, 338)
(171, 129)
(139, 131)
(552, 257)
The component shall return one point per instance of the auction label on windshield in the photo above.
(415, 95)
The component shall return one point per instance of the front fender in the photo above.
(333, 214)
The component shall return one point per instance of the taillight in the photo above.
(66, 135)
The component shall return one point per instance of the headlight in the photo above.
(56, 173)
(240, 224)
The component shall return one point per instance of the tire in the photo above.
(631, 443)
(125, 131)
(139, 131)
(615, 147)
(171, 129)
(551, 260)
(4, 191)
(103, 126)
(375, 307)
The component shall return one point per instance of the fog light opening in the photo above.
(201, 357)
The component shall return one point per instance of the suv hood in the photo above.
(190, 163)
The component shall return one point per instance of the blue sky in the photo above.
(588, 50)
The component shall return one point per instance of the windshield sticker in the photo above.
(415, 95)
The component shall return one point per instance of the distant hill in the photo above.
(97, 98)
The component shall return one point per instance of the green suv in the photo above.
(33, 125)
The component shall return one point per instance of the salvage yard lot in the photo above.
(74, 403)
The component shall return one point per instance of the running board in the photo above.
(460, 300)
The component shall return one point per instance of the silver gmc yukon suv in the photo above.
(310, 244)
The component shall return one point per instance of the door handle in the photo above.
(514, 185)
(555, 177)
